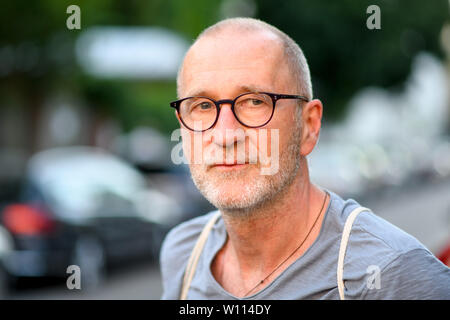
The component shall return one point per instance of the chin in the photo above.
(233, 190)
(231, 200)
(236, 195)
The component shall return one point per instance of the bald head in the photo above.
(285, 51)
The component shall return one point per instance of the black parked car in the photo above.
(82, 206)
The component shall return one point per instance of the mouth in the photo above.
(229, 166)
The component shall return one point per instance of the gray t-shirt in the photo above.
(381, 262)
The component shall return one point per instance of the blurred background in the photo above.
(86, 176)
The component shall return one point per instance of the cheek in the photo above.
(193, 146)
(276, 139)
(187, 139)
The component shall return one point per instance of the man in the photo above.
(278, 235)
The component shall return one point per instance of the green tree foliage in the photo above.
(344, 55)
(41, 26)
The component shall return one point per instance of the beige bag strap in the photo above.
(195, 255)
(343, 248)
(196, 252)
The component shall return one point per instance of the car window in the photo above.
(84, 186)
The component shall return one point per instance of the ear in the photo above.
(311, 124)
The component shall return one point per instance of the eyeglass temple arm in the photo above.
(288, 96)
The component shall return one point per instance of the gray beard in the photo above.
(261, 192)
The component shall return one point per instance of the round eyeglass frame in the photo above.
(274, 96)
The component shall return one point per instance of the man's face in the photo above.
(224, 66)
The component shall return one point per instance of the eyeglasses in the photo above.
(252, 110)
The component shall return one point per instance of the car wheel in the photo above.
(89, 256)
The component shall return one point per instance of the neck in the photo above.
(260, 240)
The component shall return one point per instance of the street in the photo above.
(422, 209)
(134, 283)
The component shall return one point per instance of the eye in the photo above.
(257, 102)
(201, 106)
(205, 105)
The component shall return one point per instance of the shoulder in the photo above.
(378, 248)
(175, 251)
(414, 274)
(370, 234)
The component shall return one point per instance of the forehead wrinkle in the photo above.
(251, 54)
(238, 90)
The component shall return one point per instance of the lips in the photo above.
(228, 166)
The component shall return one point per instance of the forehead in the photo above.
(232, 60)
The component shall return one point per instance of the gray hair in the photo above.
(294, 55)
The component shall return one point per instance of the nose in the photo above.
(224, 132)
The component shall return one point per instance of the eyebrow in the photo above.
(239, 90)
